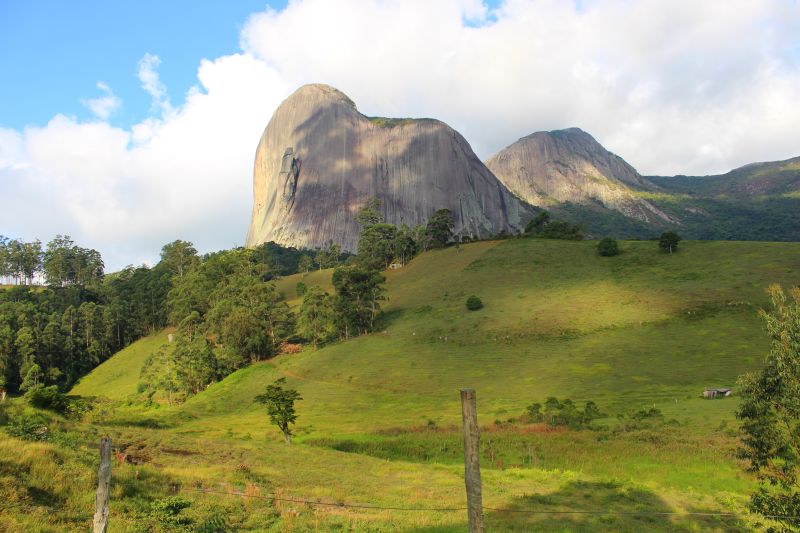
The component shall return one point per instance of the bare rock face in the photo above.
(320, 160)
(552, 167)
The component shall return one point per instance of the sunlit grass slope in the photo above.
(639, 330)
(117, 377)
(631, 331)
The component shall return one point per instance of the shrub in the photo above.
(300, 288)
(643, 414)
(474, 303)
(167, 511)
(28, 427)
(564, 413)
(608, 247)
(48, 398)
(559, 229)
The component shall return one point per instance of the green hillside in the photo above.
(627, 331)
(379, 417)
(117, 377)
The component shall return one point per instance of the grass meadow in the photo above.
(379, 420)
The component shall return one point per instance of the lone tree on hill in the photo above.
(770, 415)
(280, 406)
(668, 242)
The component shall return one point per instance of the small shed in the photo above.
(712, 394)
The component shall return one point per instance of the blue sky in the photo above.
(53, 52)
(81, 43)
(129, 124)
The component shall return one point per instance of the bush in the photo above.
(474, 303)
(48, 398)
(564, 413)
(608, 247)
(28, 427)
(300, 288)
(167, 511)
(643, 414)
(559, 229)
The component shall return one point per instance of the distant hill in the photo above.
(571, 174)
(319, 160)
(549, 168)
(760, 201)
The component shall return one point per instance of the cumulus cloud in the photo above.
(673, 87)
(103, 106)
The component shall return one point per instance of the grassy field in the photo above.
(379, 420)
(117, 378)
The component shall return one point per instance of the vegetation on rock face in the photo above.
(770, 414)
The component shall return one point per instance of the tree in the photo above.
(64, 263)
(358, 293)
(32, 379)
(668, 242)
(559, 229)
(317, 321)
(608, 247)
(280, 406)
(328, 257)
(405, 244)
(249, 315)
(57, 259)
(537, 222)
(544, 227)
(300, 288)
(179, 257)
(370, 213)
(440, 228)
(305, 264)
(377, 246)
(770, 414)
(5, 262)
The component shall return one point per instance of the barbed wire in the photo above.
(492, 509)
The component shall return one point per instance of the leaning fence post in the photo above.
(103, 485)
(472, 460)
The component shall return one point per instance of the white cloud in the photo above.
(673, 86)
(105, 105)
(151, 83)
(654, 80)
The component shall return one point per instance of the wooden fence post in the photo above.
(472, 460)
(103, 486)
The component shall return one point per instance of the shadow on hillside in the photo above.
(584, 496)
(140, 422)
